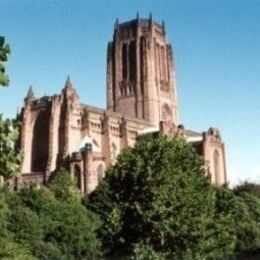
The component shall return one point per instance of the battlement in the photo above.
(133, 28)
(43, 101)
(141, 22)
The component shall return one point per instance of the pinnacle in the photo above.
(68, 83)
(30, 93)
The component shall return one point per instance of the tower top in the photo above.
(140, 73)
(142, 22)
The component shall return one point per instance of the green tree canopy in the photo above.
(248, 187)
(243, 209)
(4, 53)
(157, 198)
(37, 223)
(63, 187)
(10, 156)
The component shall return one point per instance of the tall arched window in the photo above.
(113, 151)
(165, 112)
(216, 166)
(77, 177)
(100, 173)
(132, 62)
(40, 141)
(141, 55)
(124, 61)
(163, 63)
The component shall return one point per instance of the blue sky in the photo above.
(217, 53)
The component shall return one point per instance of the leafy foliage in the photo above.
(243, 209)
(248, 187)
(146, 252)
(158, 195)
(47, 227)
(10, 155)
(63, 187)
(4, 53)
(11, 250)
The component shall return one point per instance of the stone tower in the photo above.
(141, 72)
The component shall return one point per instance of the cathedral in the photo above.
(60, 131)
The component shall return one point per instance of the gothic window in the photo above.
(77, 177)
(100, 173)
(159, 61)
(40, 141)
(124, 61)
(163, 63)
(141, 55)
(216, 166)
(132, 62)
(165, 112)
(167, 64)
(113, 151)
(155, 58)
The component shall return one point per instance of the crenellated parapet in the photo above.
(212, 135)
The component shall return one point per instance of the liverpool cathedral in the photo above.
(60, 131)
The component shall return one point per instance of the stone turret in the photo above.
(214, 155)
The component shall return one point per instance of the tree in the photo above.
(65, 229)
(248, 239)
(157, 198)
(63, 187)
(243, 209)
(12, 250)
(248, 187)
(9, 249)
(37, 223)
(10, 156)
(4, 53)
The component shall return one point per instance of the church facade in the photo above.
(141, 97)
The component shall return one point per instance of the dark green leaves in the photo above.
(157, 200)
(4, 53)
(35, 223)
(10, 156)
